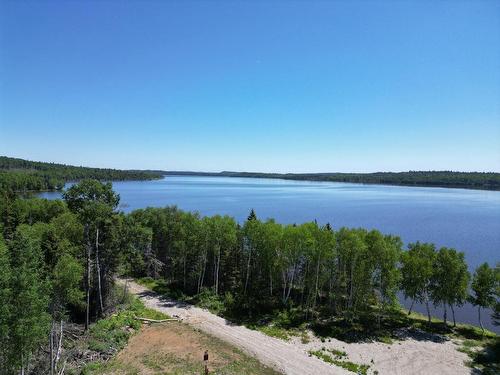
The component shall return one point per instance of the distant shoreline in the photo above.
(440, 179)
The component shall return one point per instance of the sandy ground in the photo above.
(413, 354)
(176, 348)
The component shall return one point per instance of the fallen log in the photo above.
(156, 320)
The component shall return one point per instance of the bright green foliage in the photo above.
(484, 284)
(496, 307)
(91, 199)
(110, 333)
(260, 273)
(66, 283)
(417, 272)
(339, 361)
(450, 279)
(94, 203)
(354, 272)
(385, 252)
(263, 266)
(136, 250)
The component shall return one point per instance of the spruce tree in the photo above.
(30, 324)
(5, 306)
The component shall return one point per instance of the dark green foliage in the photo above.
(58, 260)
(94, 203)
(24, 175)
(29, 318)
(6, 308)
(471, 180)
(496, 307)
(252, 215)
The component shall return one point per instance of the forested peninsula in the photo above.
(24, 175)
(448, 179)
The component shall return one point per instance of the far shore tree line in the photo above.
(58, 260)
(21, 175)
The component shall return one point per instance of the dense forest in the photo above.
(23, 175)
(468, 180)
(58, 260)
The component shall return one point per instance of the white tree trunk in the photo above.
(98, 270)
(87, 281)
(248, 270)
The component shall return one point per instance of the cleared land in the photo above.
(176, 348)
(413, 354)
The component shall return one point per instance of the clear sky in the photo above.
(280, 86)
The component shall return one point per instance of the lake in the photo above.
(468, 220)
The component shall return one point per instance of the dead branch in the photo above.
(156, 320)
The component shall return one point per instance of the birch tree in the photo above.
(417, 273)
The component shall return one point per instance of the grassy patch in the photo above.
(109, 335)
(388, 329)
(338, 353)
(372, 325)
(281, 324)
(338, 360)
(483, 354)
(177, 348)
(274, 331)
(114, 331)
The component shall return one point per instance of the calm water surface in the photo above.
(468, 220)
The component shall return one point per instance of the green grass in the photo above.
(282, 324)
(338, 353)
(112, 333)
(291, 323)
(484, 354)
(338, 361)
(367, 328)
(163, 359)
(274, 331)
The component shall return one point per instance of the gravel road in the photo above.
(282, 356)
(410, 355)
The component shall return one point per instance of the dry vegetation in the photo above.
(176, 348)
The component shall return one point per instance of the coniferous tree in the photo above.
(94, 204)
(29, 325)
(252, 215)
(6, 312)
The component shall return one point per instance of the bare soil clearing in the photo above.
(176, 348)
(411, 355)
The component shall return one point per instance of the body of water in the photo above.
(468, 220)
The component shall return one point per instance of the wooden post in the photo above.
(205, 359)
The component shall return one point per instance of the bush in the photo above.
(207, 299)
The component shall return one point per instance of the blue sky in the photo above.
(279, 86)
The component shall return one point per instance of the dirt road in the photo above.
(410, 355)
(281, 355)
